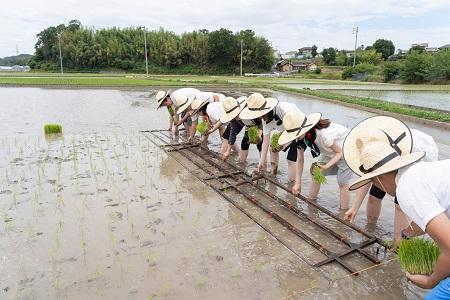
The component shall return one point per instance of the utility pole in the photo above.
(241, 57)
(145, 47)
(60, 54)
(355, 31)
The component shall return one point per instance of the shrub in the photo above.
(391, 71)
(52, 128)
(347, 73)
(418, 256)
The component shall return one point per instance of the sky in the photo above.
(287, 24)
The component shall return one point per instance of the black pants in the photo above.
(292, 151)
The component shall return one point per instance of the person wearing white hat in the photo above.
(325, 139)
(232, 107)
(211, 113)
(271, 112)
(187, 110)
(169, 100)
(422, 190)
(403, 143)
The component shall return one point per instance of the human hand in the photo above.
(422, 281)
(350, 215)
(262, 168)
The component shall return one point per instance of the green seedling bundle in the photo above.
(202, 127)
(52, 128)
(317, 174)
(274, 142)
(418, 256)
(253, 135)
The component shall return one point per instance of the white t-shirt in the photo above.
(424, 142)
(186, 92)
(214, 111)
(281, 109)
(207, 96)
(325, 138)
(423, 191)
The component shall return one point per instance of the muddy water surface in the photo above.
(101, 212)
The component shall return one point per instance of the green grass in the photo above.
(317, 174)
(274, 142)
(418, 256)
(253, 135)
(52, 128)
(202, 127)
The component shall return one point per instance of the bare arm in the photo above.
(337, 156)
(359, 198)
(438, 228)
(215, 127)
(264, 150)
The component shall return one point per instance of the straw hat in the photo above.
(197, 104)
(232, 107)
(388, 129)
(160, 96)
(257, 106)
(296, 125)
(183, 103)
(375, 157)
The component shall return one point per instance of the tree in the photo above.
(440, 67)
(341, 59)
(223, 48)
(314, 51)
(369, 57)
(391, 70)
(385, 47)
(416, 67)
(329, 56)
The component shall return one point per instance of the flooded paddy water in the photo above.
(102, 212)
(435, 98)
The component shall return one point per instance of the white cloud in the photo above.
(288, 24)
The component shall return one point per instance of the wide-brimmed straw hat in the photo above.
(296, 124)
(257, 106)
(197, 104)
(232, 107)
(392, 130)
(374, 155)
(183, 103)
(160, 96)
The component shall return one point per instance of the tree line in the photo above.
(200, 51)
(380, 63)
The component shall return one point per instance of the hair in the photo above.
(323, 123)
(203, 108)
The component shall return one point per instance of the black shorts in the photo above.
(292, 151)
(245, 144)
(379, 193)
(226, 133)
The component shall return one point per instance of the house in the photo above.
(349, 53)
(420, 45)
(305, 51)
(284, 65)
(431, 49)
(289, 55)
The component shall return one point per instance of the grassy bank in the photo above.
(374, 104)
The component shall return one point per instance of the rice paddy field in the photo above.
(101, 212)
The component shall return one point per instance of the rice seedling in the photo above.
(254, 136)
(52, 128)
(317, 174)
(418, 256)
(202, 127)
(274, 142)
